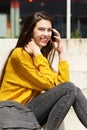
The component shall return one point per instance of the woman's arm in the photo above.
(34, 71)
(63, 67)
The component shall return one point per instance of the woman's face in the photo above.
(42, 32)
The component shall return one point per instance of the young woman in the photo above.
(29, 79)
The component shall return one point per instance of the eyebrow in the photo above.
(44, 27)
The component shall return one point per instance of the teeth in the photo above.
(44, 38)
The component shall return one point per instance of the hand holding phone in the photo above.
(55, 39)
(58, 46)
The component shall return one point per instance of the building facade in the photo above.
(13, 14)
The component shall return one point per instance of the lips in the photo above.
(45, 40)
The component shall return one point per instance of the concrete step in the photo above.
(71, 122)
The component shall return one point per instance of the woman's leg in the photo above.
(58, 100)
(61, 108)
(80, 107)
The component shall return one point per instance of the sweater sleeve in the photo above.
(63, 72)
(37, 71)
(31, 71)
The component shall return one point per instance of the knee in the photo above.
(69, 86)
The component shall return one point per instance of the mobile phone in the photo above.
(52, 37)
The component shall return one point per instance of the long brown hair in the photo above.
(27, 31)
(26, 35)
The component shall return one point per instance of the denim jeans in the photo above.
(52, 106)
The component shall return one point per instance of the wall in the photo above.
(76, 53)
(6, 45)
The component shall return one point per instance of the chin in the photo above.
(44, 44)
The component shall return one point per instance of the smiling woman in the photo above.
(29, 79)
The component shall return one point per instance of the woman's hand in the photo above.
(32, 48)
(57, 44)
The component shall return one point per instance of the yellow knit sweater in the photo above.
(26, 77)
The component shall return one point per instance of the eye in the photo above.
(49, 30)
(41, 29)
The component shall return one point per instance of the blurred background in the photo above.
(13, 14)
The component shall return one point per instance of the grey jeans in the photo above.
(52, 106)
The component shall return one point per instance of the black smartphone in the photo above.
(52, 37)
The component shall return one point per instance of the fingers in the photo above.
(26, 48)
(56, 35)
(57, 43)
(56, 32)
